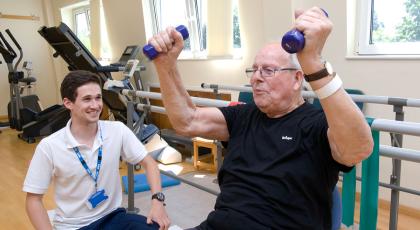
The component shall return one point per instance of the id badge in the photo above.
(96, 199)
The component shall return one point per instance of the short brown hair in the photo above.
(73, 80)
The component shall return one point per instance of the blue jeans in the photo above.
(120, 219)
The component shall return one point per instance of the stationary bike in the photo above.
(24, 112)
(16, 79)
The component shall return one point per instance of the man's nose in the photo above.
(257, 76)
(95, 104)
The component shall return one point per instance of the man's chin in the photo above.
(93, 119)
(262, 105)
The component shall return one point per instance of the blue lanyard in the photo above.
(98, 163)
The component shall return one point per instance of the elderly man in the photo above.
(284, 155)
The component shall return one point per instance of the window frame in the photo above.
(364, 46)
(80, 10)
(194, 26)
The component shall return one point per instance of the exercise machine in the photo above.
(15, 78)
(157, 147)
(24, 112)
(78, 57)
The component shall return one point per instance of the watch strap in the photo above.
(160, 197)
(317, 75)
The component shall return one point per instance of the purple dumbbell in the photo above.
(294, 40)
(150, 51)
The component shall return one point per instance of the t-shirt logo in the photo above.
(286, 138)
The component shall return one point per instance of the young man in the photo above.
(82, 160)
(284, 155)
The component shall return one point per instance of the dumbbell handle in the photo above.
(294, 40)
(151, 52)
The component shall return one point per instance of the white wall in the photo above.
(35, 49)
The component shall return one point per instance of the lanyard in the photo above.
(98, 163)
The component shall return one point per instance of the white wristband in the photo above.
(330, 88)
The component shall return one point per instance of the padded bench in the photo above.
(170, 136)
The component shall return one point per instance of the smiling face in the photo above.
(279, 94)
(87, 106)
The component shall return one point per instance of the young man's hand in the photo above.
(158, 214)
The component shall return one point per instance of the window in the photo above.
(191, 13)
(81, 17)
(106, 54)
(236, 30)
(389, 27)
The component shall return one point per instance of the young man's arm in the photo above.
(157, 212)
(36, 211)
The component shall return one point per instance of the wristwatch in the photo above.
(326, 71)
(159, 196)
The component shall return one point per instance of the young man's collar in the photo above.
(71, 142)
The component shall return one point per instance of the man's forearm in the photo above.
(348, 127)
(152, 174)
(177, 102)
(37, 213)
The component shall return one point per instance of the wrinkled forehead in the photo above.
(272, 55)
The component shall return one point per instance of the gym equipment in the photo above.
(155, 146)
(176, 140)
(159, 150)
(28, 81)
(150, 51)
(24, 112)
(14, 78)
(77, 56)
(31, 100)
(130, 53)
(294, 40)
(140, 182)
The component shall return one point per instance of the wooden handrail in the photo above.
(20, 17)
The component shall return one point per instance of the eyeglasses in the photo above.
(265, 72)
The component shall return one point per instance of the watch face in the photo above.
(329, 68)
(159, 196)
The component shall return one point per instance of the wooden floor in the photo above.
(16, 154)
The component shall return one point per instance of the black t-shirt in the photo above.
(278, 173)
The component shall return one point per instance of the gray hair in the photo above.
(294, 63)
(293, 60)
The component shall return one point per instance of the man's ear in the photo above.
(298, 80)
(67, 103)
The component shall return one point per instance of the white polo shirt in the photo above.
(55, 160)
